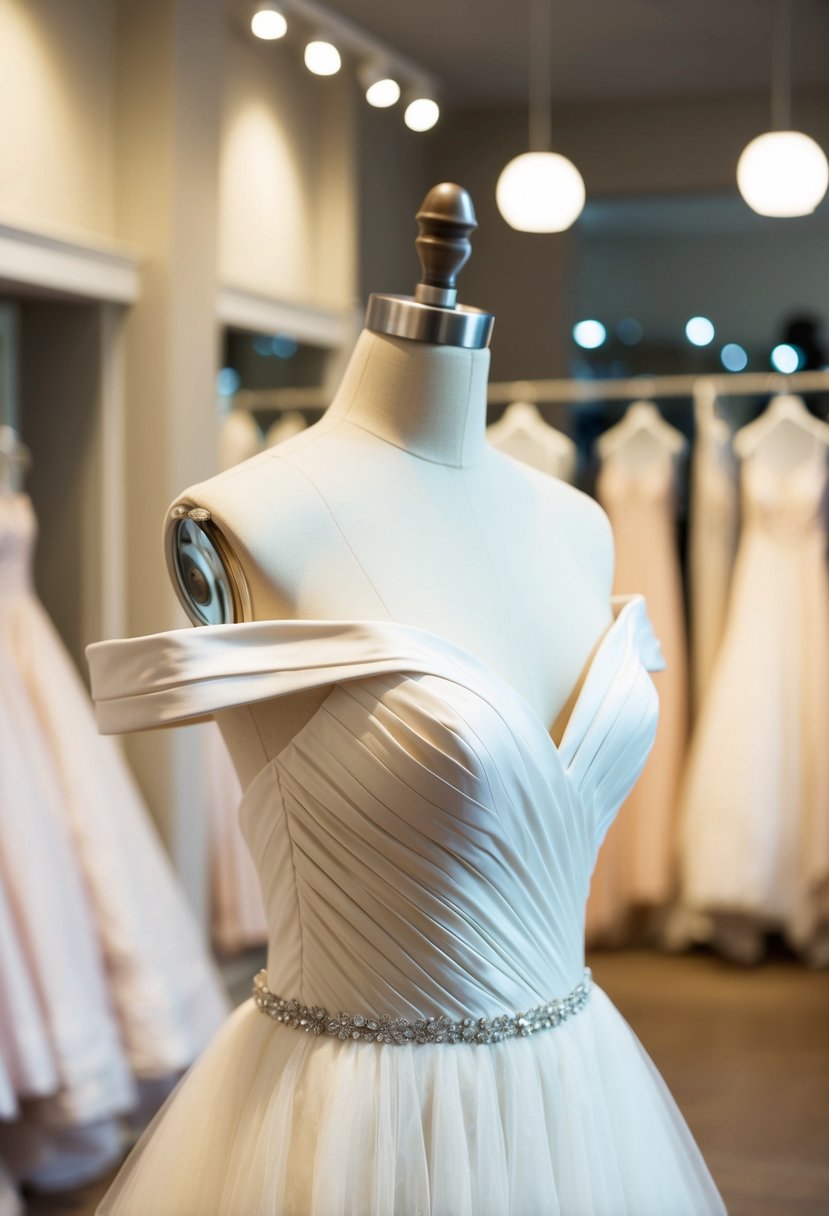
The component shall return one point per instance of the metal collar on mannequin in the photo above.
(445, 220)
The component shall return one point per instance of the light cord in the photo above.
(540, 75)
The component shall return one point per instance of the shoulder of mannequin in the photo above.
(586, 529)
(265, 508)
(576, 519)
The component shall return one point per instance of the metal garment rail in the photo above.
(572, 392)
(736, 384)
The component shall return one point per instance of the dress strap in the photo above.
(186, 674)
(646, 641)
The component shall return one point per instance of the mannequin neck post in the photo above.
(429, 400)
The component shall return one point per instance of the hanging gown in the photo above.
(635, 873)
(104, 977)
(424, 851)
(755, 816)
(712, 548)
(522, 433)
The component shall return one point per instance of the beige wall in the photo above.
(394, 175)
(286, 178)
(55, 114)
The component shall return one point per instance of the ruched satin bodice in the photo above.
(423, 845)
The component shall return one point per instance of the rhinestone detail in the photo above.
(385, 1028)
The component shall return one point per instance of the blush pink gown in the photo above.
(104, 980)
(635, 875)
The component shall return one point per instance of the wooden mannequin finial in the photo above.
(445, 220)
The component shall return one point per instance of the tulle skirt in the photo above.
(271, 1122)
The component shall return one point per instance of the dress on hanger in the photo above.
(714, 526)
(104, 977)
(521, 432)
(636, 868)
(291, 423)
(424, 850)
(755, 818)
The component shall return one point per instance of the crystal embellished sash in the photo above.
(385, 1028)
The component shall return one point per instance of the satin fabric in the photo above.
(423, 847)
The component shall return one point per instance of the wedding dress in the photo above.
(636, 870)
(424, 850)
(712, 543)
(104, 981)
(755, 809)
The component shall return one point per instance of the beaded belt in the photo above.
(385, 1028)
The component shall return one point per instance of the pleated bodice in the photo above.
(422, 844)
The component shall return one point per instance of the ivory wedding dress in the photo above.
(755, 809)
(712, 544)
(424, 850)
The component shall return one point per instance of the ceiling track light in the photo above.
(382, 72)
(268, 22)
(782, 173)
(422, 111)
(322, 57)
(381, 88)
(540, 190)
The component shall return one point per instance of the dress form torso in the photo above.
(393, 507)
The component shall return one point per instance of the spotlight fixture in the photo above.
(268, 22)
(382, 90)
(322, 58)
(782, 172)
(421, 114)
(540, 190)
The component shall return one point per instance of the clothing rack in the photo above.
(574, 392)
(633, 388)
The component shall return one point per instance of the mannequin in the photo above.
(422, 846)
(393, 506)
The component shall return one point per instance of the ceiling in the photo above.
(602, 49)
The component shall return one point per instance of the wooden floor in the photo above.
(746, 1054)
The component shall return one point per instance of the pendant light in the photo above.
(782, 172)
(540, 191)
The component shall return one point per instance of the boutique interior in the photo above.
(197, 199)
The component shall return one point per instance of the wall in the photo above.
(746, 282)
(394, 175)
(286, 186)
(167, 121)
(56, 115)
(625, 149)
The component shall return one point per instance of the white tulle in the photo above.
(423, 847)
